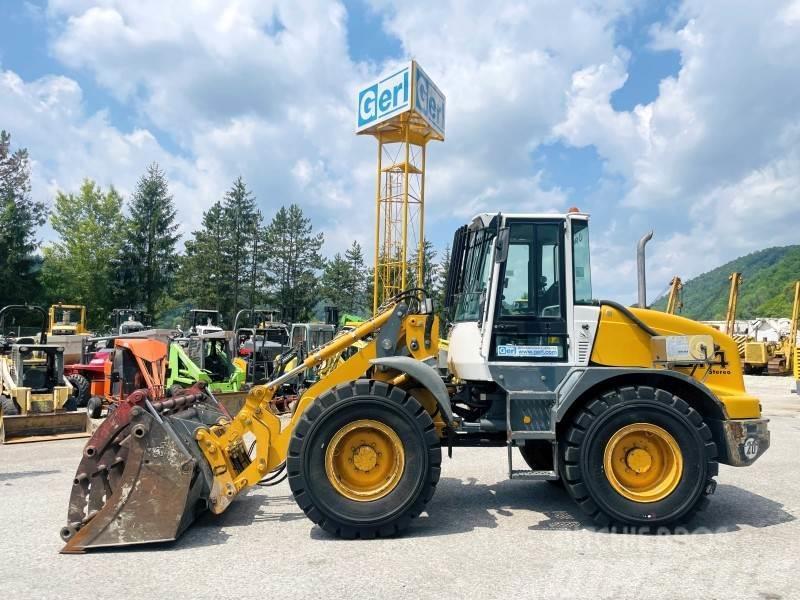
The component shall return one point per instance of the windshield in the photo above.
(279, 336)
(581, 269)
(477, 266)
(67, 316)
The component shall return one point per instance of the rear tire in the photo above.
(82, 388)
(8, 406)
(604, 484)
(94, 408)
(329, 502)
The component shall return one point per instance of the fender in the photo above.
(425, 375)
(579, 381)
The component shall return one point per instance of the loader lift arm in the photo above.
(151, 446)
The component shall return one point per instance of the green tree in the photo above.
(357, 301)
(337, 279)
(78, 266)
(20, 216)
(149, 259)
(294, 261)
(243, 224)
(204, 269)
(429, 268)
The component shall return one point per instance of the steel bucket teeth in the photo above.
(141, 479)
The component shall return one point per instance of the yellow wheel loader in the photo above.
(632, 409)
(36, 401)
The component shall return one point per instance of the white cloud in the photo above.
(711, 162)
(266, 90)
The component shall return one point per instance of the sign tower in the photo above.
(403, 111)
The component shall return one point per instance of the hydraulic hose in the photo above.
(632, 317)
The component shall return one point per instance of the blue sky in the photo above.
(677, 116)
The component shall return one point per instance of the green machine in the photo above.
(205, 357)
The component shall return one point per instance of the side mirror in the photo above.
(501, 245)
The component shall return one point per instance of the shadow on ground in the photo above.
(25, 474)
(461, 506)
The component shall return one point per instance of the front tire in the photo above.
(639, 456)
(364, 460)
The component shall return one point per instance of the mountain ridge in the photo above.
(767, 288)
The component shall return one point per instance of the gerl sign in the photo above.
(409, 89)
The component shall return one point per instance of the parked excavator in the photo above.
(632, 409)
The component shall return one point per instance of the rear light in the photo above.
(245, 351)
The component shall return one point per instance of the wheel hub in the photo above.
(364, 460)
(643, 462)
(639, 460)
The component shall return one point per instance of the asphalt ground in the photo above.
(483, 536)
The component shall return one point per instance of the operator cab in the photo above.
(519, 293)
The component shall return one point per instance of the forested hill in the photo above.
(767, 288)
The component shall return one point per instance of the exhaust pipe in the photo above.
(640, 269)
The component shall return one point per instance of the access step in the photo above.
(528, 475)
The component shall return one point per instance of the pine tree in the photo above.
(149, 256)
(243, 225)
(294, 261)
(357, 282)
(337, 283)
(20, 216)
(429, 268)
(204, 269)
(78, 266)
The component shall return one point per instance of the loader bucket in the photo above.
(40, 427)
(142, 477)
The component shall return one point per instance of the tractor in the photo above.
(36, 402)
(198, 320)
(260, 341)
(128, 320)
(633, 410)
(205, 357)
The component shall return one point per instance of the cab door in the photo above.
(530, 310)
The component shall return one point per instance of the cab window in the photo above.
(581, 268)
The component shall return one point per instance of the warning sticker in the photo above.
(509, 350)
(677, 346)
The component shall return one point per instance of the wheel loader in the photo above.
(36, 402)
(632, 409)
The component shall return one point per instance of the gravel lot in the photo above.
(483, 536)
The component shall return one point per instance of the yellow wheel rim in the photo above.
(364, 460)
(643, 462)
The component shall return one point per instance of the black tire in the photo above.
(337, 514)
(82, 388)
(585, 442)
(8, 406)
(94, 408)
